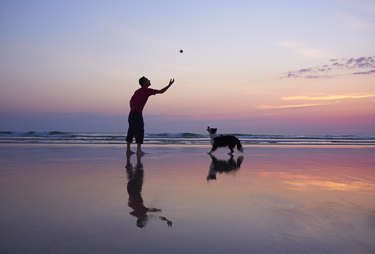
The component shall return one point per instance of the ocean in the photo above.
(58, 137)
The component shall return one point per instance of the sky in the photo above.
(262, 67)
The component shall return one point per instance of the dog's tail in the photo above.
(239, 146)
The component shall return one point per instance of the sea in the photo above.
(186, 138)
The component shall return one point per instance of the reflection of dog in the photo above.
(223, 166)
(229, 141)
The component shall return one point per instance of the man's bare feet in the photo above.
(140, 153)
(129, 152)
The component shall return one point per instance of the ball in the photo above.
(181, 51)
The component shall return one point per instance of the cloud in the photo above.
(358, 14)
(329, 97)
(318, 100)
(336, 67)
(363, 5)
(364, 72)
(355, 21)
(128, 33)
(303, 50)
(293, 106)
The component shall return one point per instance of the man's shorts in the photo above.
(136, 128)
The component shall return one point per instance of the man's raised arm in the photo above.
(167, 87)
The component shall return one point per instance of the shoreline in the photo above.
(328, 146)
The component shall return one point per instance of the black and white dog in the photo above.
(229, 141)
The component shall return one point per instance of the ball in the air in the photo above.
(181, 51)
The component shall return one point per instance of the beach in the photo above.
(91, 198)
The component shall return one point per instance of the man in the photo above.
(137, 103)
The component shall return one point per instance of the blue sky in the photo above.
(60, 59)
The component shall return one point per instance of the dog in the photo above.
(229, 141)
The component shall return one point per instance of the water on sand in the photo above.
(178, 199)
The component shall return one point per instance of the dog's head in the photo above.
(211, 130)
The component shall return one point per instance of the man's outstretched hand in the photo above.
(171, 81)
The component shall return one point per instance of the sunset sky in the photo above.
(262, 67)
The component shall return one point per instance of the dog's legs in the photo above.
(231, 150)
(213, 149)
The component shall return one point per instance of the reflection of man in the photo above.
(223, 166)
(135, 183)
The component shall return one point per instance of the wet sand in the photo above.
(178, 199)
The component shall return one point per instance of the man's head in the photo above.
(144, 82)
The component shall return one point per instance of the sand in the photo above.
(178, 199)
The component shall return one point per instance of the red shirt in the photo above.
(139, 99)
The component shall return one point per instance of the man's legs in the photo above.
(132, 120)
(136, 129)
(128, 149)
(139, 135)
(139, 149)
